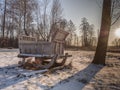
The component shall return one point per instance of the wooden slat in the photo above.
(61, 56)
(35, 55)
(60, 36)
(30, 46)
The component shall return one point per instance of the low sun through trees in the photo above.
(110, 15)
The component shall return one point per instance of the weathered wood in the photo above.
(60, 36)
(30, 45)
(22, 62)
(49, 65)
(27, 44)
(59, 40)
(35, 55)
(43, 50)
(64, 58)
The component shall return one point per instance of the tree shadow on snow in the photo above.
(11, 75)
(79, 80)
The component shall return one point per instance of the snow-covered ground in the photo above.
(81, 76)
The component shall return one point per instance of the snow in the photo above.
(82, 75)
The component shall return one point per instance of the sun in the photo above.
(117, 32)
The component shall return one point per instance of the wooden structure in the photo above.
(45, 53)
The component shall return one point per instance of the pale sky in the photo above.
(77, 9)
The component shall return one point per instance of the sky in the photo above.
(91, 9)
(77, 9)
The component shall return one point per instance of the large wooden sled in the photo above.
(47, 54)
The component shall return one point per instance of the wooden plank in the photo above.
(57, 48)
(29, 45)
(35, 55)
(48, 65)
(28, 48)
(62, 56)
(45, 48)
(27, 39)
(60, 36)
(61, 49)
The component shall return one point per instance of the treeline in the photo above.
(116, 42)
(40, 18)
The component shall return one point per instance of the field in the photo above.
(79, 75)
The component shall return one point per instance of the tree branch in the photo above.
(116, 20)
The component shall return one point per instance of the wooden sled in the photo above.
(46, 54)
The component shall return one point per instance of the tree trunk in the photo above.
(3, 27)
(104, 34)
(26, 33)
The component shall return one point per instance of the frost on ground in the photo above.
(81, 76)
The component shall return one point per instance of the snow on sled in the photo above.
(47, 54)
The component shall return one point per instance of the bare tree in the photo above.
(71, 29)
(18, 17)
(23, 13)
(4, 17)
(84, 29)
(75, 40)
(87, 32)
(39, 31)
(116, 42)
(44, 23)
(56, 15)
(42, 15)
(91, 35)
(104, 34)
(115, 11)
(0, 17)
(62, 24)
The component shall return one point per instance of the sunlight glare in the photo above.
(117, 32)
